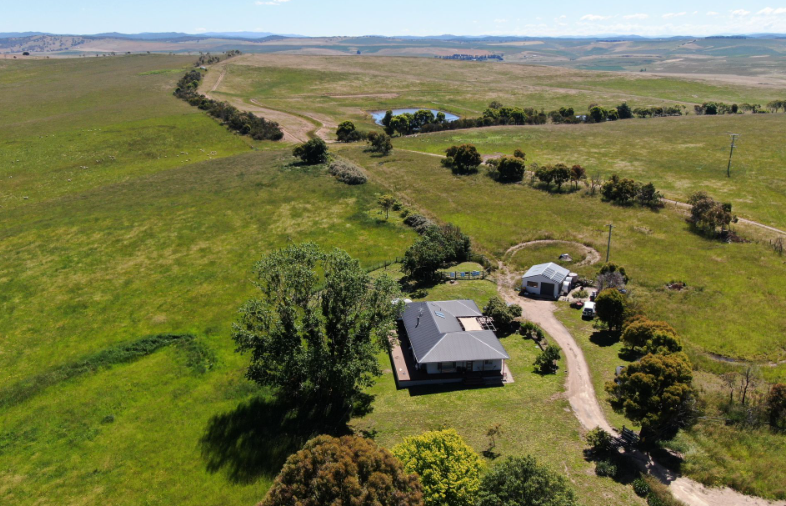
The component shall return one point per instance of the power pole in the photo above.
(731, 152)
(608, 247)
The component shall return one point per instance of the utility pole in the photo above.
(608, 247)
(731, 152)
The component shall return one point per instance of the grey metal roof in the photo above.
(436, 335)
(554, 272)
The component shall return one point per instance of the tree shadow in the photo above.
(256, 437)
(605, 338)
(627, 470)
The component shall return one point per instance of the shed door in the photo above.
(547, 289)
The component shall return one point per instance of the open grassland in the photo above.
(678, 155)
(340, 87)
(534, 416)
(656, 247)
(72, 125)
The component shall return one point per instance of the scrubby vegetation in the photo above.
(347, 172)
(624, 191)
(312, 152)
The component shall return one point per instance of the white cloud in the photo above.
(271, 2)
(740, 12)
(636, 16)
(594, 17)
(769, 11)
(712, 13)
(670, 15)
(200, 30)
(500, 20)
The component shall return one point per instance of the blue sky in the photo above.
(399, 17)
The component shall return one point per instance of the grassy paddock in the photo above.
(655, 248)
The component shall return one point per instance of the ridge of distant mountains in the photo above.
(446, 37)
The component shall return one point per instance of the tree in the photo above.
(577, 173)
(523, 481)
(510, 169)
(601, 443)
(519, 154)
(349, 470)
(545, 174)
(379, 143)
(317, 324)
(648, 196)
(610, 307)
(502, 314)
(623, 111)
(386, 202)
(707, 214)
(449, 469)
(619, 190)
(545, 363)
(598, 114)
(639, 332)
(386, 119)
(657, 393)
(346, 132)
(438, 246)
(463, 159)
(313, 152)
(561, 175)
(663, 343)
(776, 406)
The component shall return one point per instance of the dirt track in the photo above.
(581, 393)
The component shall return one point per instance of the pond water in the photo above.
(378, 115)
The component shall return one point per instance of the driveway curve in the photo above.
(584, 401)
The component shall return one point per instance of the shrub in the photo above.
(510, 169)
(546, 362)
(419, 222)
(641, 487)
(347, 172)
(379, 143)
(350, 470)
(605, 468)
(610, 307)
(581, 294)
(437, 247)
(523, 481)
(502, 314)
(463, 159)
(600, 441)
(659, 494)
(448, 468)
(532, 330)
(313, 152)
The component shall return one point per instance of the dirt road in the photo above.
(581, 394)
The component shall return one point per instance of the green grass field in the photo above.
(159, 236)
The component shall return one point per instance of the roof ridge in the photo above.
(484, 343)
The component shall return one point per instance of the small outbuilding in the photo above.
(545, 280)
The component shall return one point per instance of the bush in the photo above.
(312, 152)
(350, 470)
(610, 307)
(347, 172)
(437, 247)
(641, 487)
(419, 222)
(605, 468)
(659, 494)
(523, 481)
(379, 143)
(581, 294)
(532, 330)
(502, 314)
(546, 362)
(510, 169)
(448, 467)
(463, 159)
(600, 441)
(346, 132)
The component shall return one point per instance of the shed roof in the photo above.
(552, 271)
(437, 335)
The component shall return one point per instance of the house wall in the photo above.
(539, 280)
(477, 365)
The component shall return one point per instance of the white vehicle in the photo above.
(589, 310)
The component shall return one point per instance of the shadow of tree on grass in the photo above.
(256, 437)
(604, 338)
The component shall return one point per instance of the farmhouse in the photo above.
(546, 280)
(448, 342)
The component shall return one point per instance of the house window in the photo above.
(532, 284)
(488, 362)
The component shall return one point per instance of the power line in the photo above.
(731, 152)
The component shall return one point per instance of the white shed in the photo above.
(544, 279)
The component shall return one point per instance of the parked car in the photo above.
(588, 311)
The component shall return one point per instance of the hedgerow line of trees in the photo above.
(209, 59)
(243, 122)
(496, 114)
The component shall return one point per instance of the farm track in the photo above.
(580, 392)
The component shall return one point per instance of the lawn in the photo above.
(535, 419)
(534, 254)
